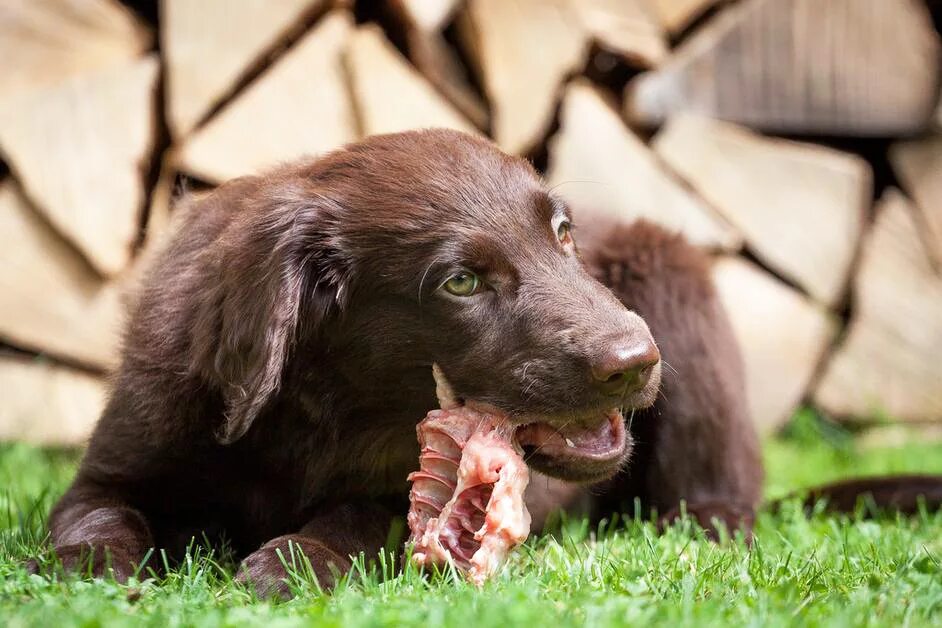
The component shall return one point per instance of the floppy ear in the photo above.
(274, 268)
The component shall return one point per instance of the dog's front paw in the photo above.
(95, 561)
(265, 569)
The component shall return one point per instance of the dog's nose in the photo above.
(624, 364)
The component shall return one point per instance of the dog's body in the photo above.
(280, 356)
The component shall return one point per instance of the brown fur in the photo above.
(701, 445)
(279, 357)
(902, 493)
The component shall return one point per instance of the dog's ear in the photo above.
(273, 269)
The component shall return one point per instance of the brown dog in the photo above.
(280, 357)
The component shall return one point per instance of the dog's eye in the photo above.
(563, 232)
(463, 284)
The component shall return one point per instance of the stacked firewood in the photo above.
(799, 141)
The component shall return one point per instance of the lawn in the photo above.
(807, 570)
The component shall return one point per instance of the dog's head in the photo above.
(429, 247)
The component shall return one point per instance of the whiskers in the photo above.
(668, 365)
(660, 389)
(569, 181)
(527, 392)
(425, 276)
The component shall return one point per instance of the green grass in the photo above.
(807, 570)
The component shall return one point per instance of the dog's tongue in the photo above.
(596, 439)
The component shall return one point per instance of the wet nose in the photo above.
(624, 363)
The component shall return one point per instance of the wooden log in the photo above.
(918, 166)
(43, 42)
(888, 365)
(47, 404)
(782, 335)
(676, 15)
(160, 224)
(427, 15)
(523, 50)
(79, 149)
(390, 94)
(628, 28)
(299, 106)
(161, 201)
(802, 66)
(801, 207)
(898, 435)
(50, 300)
(209, 45)
(601, 167)
(424, 21)
(437, 61)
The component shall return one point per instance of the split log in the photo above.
(599, 165)
(390, 94)
(889, 363)
(79, 149)
(918, 166)
(47, 404)
(801, 207)
(899, 435)
(424, 21)
(427, 15)
(158, 228)
(161, 202)
(628, 28)
(802, 66)
(50, 300)
(524, 50)
(437, 61)
(209, 45)
(782, 335)
(43, 42)
(299, 106)
(676, 15)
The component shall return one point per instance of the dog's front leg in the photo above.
(327, 541)
(92, 528)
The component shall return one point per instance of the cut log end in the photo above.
(782, 334)
(809, 233)
(48, 404)
(603, 169)
(762, 63)
(888, 365)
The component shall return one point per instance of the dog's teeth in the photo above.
(570, 443)
(444, 391)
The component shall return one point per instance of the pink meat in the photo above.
(467, 504)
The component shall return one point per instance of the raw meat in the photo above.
(466, 501)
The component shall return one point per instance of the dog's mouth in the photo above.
(587, 449)
(596, 441)
(577, 451)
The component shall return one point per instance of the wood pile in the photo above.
(798, 141)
